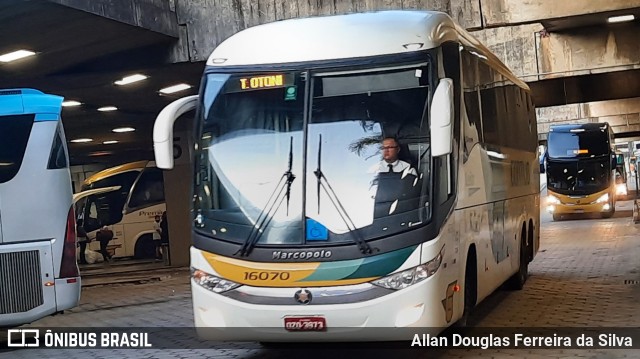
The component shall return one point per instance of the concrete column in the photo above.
(177, 189)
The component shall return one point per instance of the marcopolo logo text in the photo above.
(301, 254)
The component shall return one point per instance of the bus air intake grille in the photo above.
(20, 282)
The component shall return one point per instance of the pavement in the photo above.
(124, 271)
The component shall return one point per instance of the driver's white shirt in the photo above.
(397, 165)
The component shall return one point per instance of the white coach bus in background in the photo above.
(127, 198)
(38, 270)
(295, 238)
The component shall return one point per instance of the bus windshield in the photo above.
(581, 177)
(265, 171)
(578, 144)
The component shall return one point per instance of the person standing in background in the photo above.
(164, 235)
(157, 236)
(104, 235)
(83, 240)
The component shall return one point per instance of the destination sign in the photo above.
(260, 82)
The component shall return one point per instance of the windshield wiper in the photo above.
(270, 208)
(289, 175)
(364, 247)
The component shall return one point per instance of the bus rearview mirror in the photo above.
(442, 118)
(163, 129)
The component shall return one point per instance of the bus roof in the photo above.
(334, 37)
(30, 101)
(131, 166)
(591, 126)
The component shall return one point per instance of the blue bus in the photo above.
(39, 275)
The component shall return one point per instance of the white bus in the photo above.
(129, 209)
(295, 238)
(38, 270)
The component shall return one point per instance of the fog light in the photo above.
(551, 209)
(409, 316)
(606, 207)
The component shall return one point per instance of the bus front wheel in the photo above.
(145, 247)
(470, 288)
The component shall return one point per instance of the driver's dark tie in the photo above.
(390, 167)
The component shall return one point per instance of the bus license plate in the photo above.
(299, 324)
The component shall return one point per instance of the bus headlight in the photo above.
(211, 282)
(621, 189)
(604, 198)
(551, 199)
(411, 276)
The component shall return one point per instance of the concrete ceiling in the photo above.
(573, 22)
(78, 56)
(586, 88)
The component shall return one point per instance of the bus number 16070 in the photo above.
(267, 275)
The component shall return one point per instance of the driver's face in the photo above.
(390, 150)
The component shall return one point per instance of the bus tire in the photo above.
(516, 282)
(556, 217)
(145, 247)
(470, 288)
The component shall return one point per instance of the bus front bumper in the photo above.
(578, 208)
(398, 316)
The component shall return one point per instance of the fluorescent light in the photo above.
(175, 88)
(71, 103)
(621, 18)
(123, 129)
(12, 56)
(81, 140)
(107, 108)
(131, 79)
(111, 142)
(101, 153)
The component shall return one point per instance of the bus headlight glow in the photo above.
(604, 198)
(621, 189)
(411, 276)
(211, 282)
(551, 199)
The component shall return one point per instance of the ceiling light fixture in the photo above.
(101, 153)
(15, 55)
(123, 129)
(621, 18)
(110, 142)
(107, 108)
(131, 79)
(175, 88)
(71, 103)
(81, 140)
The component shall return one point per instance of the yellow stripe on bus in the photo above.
(260, 274)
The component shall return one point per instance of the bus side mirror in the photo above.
(163, 129)
(442, 112)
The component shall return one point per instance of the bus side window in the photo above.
(58, 157)
(148, 190)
